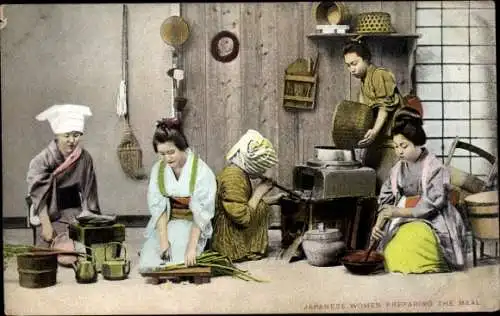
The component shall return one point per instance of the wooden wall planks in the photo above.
(226, 99)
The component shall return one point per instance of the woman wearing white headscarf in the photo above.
(61, 178)
(241, 214)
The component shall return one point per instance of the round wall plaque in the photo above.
(225, 46)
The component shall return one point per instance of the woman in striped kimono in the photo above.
(241, 216)
(181, 200)
(420, 231)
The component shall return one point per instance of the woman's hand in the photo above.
(165, 252)
(385, 213)
(377, 234)
(369, 137)
(274, 199)
(190, 256)
(259, 192)
(47, 232)
(263, 188)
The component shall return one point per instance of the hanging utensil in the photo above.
(175, 32)
(129, 150)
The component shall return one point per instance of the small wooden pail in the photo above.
(483, 214)
(351, 121)
(37, 270)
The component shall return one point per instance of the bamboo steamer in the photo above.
(37, 270)
(351, 121)
(483, 214)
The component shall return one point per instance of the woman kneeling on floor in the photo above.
(241, 217)
(181, 200)
(419, 230)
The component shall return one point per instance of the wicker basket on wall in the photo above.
(351, 121)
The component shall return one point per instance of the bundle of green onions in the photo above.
(221, 265)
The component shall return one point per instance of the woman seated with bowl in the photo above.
(419, 230)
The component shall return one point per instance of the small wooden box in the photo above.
(88, 235)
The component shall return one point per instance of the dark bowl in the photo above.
(354, 262)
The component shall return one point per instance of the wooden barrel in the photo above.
(37, 270)
(351, 121)
(483, 214)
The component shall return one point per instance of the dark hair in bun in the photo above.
(408, 122)
(169, 130)
(359, 47)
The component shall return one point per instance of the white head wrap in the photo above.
(65, 118)
(253, 153)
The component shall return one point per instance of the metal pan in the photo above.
(174, 31)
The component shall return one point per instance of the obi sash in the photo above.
(179, 205)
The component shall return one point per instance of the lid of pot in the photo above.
(323, 234)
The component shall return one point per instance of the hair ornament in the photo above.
(168, 123)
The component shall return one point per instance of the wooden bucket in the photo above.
(351, 121)
(37, 270)
(483, 214)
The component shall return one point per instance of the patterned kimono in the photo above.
(239, 232)
(65, 194)
(409, 246)
(379, 90)
(187, 201)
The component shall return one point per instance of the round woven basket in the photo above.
(374, 22)
(334, 13)
(351, 121)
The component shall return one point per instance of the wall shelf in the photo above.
(382, 35)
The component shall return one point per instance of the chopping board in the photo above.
(197, 275)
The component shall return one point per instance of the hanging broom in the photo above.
(129, 150)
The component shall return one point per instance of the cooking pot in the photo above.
(322, 246)
(332, 153)
(115, 268)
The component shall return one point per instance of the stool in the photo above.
(96, 238)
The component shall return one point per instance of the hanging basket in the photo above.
(130, 155)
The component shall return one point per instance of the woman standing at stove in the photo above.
(420, 231)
